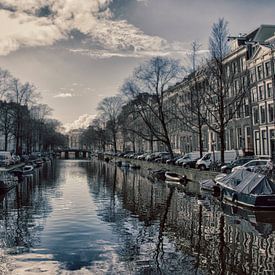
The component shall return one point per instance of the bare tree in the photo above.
(148, 91)
(22, 95)
(189, 113)
(110, 108)
(6, 121)
(5, 80)
(225, 88)
(39, 114)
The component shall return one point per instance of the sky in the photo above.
(76, 52)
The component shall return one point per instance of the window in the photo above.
(228, 71)
(239, 138)
(264, 142)
(238, 111)
(236, 87)
(257, 143)
(260, 72)
(246, 108)
(262, 112)
(261, 92)
(253, 75)
(243, 63)
(269, 89)
(250, 163)
(270, 112)
(244, 83)
(234, 67)
(255, 115)
(231, 136)
(248, 138)
(254, 94)
(268, 69)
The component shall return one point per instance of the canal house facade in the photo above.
(250, 67)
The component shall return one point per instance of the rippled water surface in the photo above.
(89, 217)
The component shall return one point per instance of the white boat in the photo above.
(27, 169)
(7, 181)
(169, 176)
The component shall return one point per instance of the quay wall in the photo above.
(191, 174)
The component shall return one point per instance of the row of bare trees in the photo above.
(23, 121)
(146, 108)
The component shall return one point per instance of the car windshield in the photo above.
(206, 157)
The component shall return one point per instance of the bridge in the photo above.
(74, 153)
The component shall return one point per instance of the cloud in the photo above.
(43, 22)
(82, 122)
(63, 95)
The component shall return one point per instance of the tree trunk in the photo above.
(151, 144)
(114, 141)
(169, 147)
(222, 140)
(6, 141)
(200, 136)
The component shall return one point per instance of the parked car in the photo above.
(163, 157)
(228, 167)
(188, 157)
(255, 164)
(143, 156)
(16, 159)
(190, 163)
(5, 158)
(173, 160)
(211, 157)
(137, 155)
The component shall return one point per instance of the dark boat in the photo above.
(207, 185)
(248, 189)
(211, 184)
(170, 176)
(39, 162)
(7, 181)
(156, 174)
(134, 166)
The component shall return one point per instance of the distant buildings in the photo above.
(74, 139)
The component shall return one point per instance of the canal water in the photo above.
(90, 217)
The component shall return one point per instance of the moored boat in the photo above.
(27, 169)
(207, 185)
(248, 189)
(7, 181)
(39, 162)
(156, 174)
(170, 176)
(134, 166)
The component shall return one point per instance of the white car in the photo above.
(255, 164)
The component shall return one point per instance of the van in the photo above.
(188, 157)
(229, 156)
(5, 158)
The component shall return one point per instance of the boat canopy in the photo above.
(249, 182)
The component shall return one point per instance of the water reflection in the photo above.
(92, 217)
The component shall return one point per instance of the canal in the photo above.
(90, 217)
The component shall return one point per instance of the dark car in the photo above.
(173, 160)
(190, 163)
(163, 158)
(239, 162)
